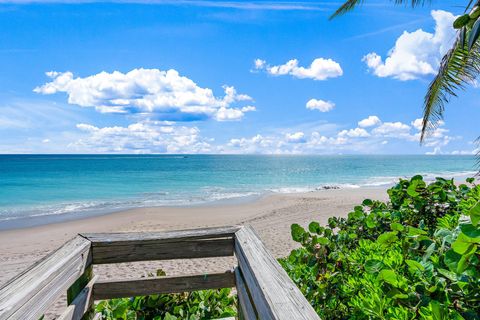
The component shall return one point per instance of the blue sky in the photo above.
(225, 77)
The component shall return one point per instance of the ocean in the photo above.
(40, 189)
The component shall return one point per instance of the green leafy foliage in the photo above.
(416, 256)
(205, 304)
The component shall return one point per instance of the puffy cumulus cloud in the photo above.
(164, 95)
(255, 144)
(434, 152)
(369, 122)
(464, 152)
(300, 142)
(320, 105)
(372, 138)
(259, 64)
(417, 124)
(226, 114)
(170, 137)
(141, 137)
(437, 137)
(319, 69)
(297, 137)
(417, 53)
(354, 133)
(392, 129)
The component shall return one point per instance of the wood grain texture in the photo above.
(28, 295)
(273, 292)
(79, 284)
(158, 285)
(145, 246)
(151, 250)
(81, 304)
(246, 309)
(114, 239)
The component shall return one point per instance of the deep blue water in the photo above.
(51, 187)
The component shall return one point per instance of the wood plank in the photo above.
(29, 294)
(79, 284)
(245, 306)
(151, 250)
(158, 285)
(81, 304)
(273, 292)
(114, 239)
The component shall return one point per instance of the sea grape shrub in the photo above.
(416, 256)
(205, 304)
(419, 203)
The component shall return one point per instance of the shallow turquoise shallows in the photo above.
(37, 189)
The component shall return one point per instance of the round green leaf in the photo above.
(461, 21)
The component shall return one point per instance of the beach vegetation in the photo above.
(415, 256)
(204, 304)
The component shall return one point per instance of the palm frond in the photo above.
(459, 67)
(469, 5)
(351, 4)
(346, 7)
(413, 3)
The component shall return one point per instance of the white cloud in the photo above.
(311, 141)
(436, 151)
(259, 63)
(417, 53)
(142, 137)
(256, 144)
(319, 69)
(164, 94)
(369, 122)
(354, 133)
(464, 152)
(392, 129)
(417, 124)
(437, 137)
(297, 137)
(320, 105)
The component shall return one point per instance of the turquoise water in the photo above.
(38, 189)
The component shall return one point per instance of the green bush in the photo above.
(205, 304)
(416, 256)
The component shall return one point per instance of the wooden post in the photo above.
(77, 287)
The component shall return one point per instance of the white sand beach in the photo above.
(271, 216)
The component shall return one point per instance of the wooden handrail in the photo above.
(28, 295)
(168, 245)
(175, 284)
(264, 289)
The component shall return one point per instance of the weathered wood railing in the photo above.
(264, 289)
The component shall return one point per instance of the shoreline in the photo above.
(99, 208)
(270, 215)
(51, 219)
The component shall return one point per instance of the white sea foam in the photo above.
(315, 188)
(205, 195)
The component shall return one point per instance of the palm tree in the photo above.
(459, 67)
